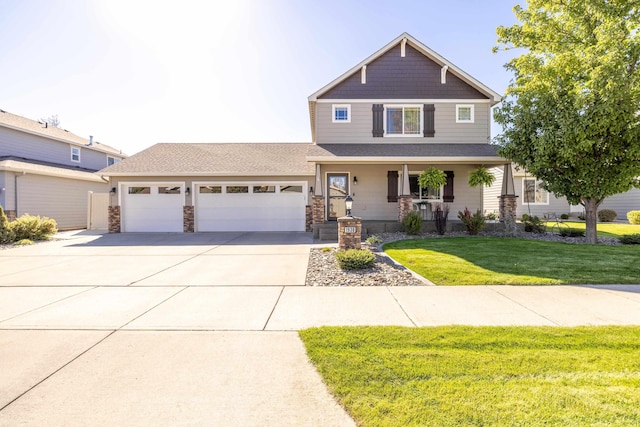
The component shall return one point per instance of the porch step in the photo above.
(328, 234)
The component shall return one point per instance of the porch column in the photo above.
(508, 202)
(405, 201)
(317, 190)
(317, 207)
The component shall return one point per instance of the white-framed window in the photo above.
(403, 120)
(427, 194)
(533, 192)
(464, 113)
(112, 160)
(75, 154)
(341, 113)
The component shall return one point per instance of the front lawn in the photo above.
(481, 376)
(508, 261)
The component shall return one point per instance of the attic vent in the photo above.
(363, 75)
(443, 74)
(402, 46)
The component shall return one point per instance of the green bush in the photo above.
(24, 242)
(412, 223)
(474, 223)
(606, 215)
(6, 233)
(633, 217)
(355, 259)
(630, 239)
(33, 227)
(564, 216)
(571, 232)
(374, 240)
(533, 224)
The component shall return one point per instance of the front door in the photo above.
(338, 188)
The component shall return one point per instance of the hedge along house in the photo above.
(374, 129)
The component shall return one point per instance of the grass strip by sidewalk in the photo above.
(481, 376)
(508, 261)
(605, 229)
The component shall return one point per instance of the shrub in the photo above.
(630, 239)
(355, 259)
(24, 242)
(441, 214)
(606, 215)
(326, 249)
(633, 217)
(582, 216)
(571, 232)
(474, 223)
(6, 233)
(412, 223)
(533, 224)
(34, 227)
(564, 216)
(374, 240)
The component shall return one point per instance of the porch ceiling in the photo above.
(405, 153)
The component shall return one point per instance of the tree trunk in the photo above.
(591, 211)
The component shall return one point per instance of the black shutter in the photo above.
(429, 122)
(392, 186)
(378, 111)
(448, 188)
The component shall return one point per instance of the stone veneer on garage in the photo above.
(114, 219)
(188, 219)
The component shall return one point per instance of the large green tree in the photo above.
(571, 115)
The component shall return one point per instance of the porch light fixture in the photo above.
(348, 202)
(113, 191)
(310, 189)
(355, 180)
(187, 191)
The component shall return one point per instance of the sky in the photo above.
(133, 73)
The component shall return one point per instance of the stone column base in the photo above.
(349, 233)
(405, 205)
(508, 206)
(114, 219)
(317, 210)
(187, 219)
(308, 218)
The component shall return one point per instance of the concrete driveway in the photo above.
(199, 329)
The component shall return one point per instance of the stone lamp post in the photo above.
(349, 228)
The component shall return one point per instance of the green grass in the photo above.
(507, 261)
(481, 376)
(605, 229)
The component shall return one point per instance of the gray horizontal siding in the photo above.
(491, 195)
(360, 128)
(3, 190)
(413, 77)
(623, 203)
(20, 144)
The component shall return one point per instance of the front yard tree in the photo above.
(571, 115)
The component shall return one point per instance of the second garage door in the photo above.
(250, 207)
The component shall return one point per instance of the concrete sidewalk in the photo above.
(158, 331)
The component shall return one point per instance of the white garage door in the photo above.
(250, 207)
(152, 207)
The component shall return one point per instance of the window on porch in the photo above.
(428, 193)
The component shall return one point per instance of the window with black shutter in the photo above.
(429, 120)
(448, 188)
(392, 186)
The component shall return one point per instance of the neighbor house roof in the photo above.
(18, 165)
(23, 124)
(407, 153)
(493, 96)
(221, 159)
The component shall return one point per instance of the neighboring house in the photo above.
(374, 129)
(533, 199)
(48, 171)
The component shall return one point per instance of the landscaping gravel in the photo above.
(323, 269)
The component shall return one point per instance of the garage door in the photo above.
(152, 208)
(250, 207)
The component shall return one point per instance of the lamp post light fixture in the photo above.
(348, 202)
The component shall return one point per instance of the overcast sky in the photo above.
(133, 72)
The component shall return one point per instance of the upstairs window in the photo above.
(534, 193)
(112, 160)
(341, 113)
(75, 154)
(403, 120)
(464, 114)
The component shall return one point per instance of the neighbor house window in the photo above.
(75, 154)
(341, 113)
(418, 192)
(402, 120)
(112, 160)
(464, 114)
(534, 193)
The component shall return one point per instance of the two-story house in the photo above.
(48, 171)
(374, 129)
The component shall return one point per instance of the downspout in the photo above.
(15, 189)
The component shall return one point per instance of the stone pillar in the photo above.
(114, 219)
(11, 215)
(508, 206)
(317, 210)
(405, 205)
(349, 232)
(187, 219)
